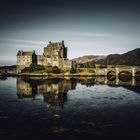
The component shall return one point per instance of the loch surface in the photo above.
(69, 108)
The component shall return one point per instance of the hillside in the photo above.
(89, 58)
(129, 58)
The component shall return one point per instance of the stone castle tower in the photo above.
(55, 54)
(25, 59)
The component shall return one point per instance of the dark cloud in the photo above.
(109, 24)
(15, 12)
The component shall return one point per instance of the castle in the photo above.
(55, 54)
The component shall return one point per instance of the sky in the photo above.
(88, 27)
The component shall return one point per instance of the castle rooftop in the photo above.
(55, 44)
(25, 53)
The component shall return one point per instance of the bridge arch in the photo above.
(125, 76)
(111, 78)
(137, 76)
(111, 75)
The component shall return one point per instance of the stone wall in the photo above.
(24, 60)
(67, 63)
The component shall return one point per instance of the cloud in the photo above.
(86, 34)
(19, 41)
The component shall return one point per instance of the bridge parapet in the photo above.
(116, 71)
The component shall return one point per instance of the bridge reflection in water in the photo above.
(54, 91)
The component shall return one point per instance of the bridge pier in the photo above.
(105, 72)
(133, 72)
(106, 80)
(133, 81)
(117, 71)
(117, 80)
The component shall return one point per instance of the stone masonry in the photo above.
(55, 54)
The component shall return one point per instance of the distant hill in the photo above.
(129, 58)
(8, 67)
(89, 58)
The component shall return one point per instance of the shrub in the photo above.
(89, 65)
(73, 70)
(32, 68)
(102, 66)
(41, 69)
(55, 69)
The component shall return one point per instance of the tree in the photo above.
(73, 70)
(56, 70)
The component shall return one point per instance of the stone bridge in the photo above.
(127, 70)
(118, 71)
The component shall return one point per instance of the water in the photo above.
(69, 108)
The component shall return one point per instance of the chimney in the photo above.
(63, 42)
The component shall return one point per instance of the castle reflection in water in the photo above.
(54, 90)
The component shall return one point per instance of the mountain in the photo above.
(129, 58)
(89, 58)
